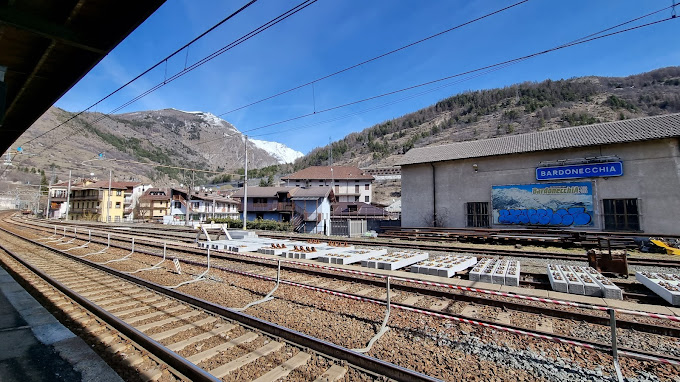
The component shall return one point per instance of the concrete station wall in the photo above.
(651, 174)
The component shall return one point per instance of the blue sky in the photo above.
(331, 35)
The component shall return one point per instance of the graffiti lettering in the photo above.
(545, 216)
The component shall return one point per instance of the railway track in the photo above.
(189, 236)
(432, 300)
(193, 254)
(231, 343)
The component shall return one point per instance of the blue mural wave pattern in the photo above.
(545, 216)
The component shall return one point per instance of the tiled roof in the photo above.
(631, 130)
(105, 184)
(324, 172)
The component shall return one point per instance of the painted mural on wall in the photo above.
(549, 204)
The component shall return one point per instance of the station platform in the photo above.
(36, 347)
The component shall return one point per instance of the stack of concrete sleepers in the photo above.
(512, 274)
(395, 260)
(476, 272)
(557, 279)
(666, 285)
(445, 266)
(590, 286)
(574, 284)
(487, 272)
(309, 251)
(279, 247)
(498, 275)
(351, 256)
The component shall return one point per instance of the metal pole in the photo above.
(245, 188)
(68, 194)
(108, 200)
(615, 355)
(49, 198)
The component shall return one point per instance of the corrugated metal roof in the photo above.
(631, 130)
(310, 193)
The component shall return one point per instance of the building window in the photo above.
(337, 189)
(477, 214)
(117, 219)
(117, 204)
(621, 215)
(367, 199)
(118, 193)
(356, 198)
(356, 188)
(178, 204)
(367, 187)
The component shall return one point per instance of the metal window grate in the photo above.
(477, 214)
(621, 215)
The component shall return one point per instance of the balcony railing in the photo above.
(86, 210)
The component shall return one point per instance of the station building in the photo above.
(614, 176)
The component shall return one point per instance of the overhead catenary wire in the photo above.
(375, 58)
(451, 83)
(164, 60)
(201, 62)
(514, 60)
(186, 70)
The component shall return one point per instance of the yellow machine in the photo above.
(669, 250)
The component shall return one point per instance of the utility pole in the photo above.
(108, 203)
(68, 195)
(190, 187)
(49, 195)
(245, 188)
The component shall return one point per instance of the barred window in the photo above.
(477, 214)
(621, 215)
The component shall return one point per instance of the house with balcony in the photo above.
(308, 210)
(350, 184)
(133, 190)
(203, 205)
(57, 200)
(153, 206)
(267, 203)
(93, 201)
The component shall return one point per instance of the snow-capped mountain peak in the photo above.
(278, 150)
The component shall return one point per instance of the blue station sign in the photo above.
(594, 170)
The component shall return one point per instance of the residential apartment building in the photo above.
(350, 184)
(308, 210)
(154, 205)
(203, 205)
(57, 200)
(92, 201)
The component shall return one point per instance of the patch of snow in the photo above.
(281, 152)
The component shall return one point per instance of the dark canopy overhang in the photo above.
(47, 46)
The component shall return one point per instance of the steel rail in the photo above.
(420, 246)
(371, 364)
(416, 288)
(173, 359)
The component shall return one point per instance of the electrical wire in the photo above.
(186, 70)
(374, 58)
(164, 60)
(514, 60)
(449, 84)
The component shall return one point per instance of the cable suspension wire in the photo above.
(186, 70)
(375, 58)
(446, 85)
(164, 60)
(201, 62)
(514, 60)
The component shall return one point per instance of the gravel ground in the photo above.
(440, 348)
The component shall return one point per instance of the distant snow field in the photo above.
(280, 151)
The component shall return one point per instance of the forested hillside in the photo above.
(514, 109)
